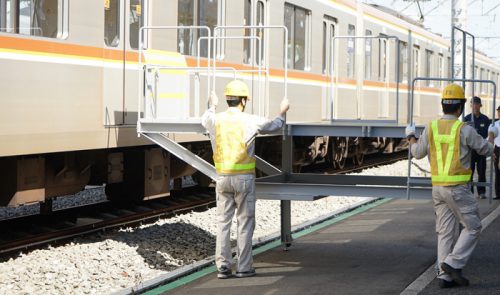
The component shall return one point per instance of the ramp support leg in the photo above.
(285, 206)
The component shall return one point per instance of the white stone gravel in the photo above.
(105, 263)
(88, 196)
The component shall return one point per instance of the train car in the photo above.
(70, 83)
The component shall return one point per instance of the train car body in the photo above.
(70, 83)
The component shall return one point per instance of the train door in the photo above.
(329, 24)
(416, 73)
(122, 20)
(255, 52)
(114, 62)
(135, 11)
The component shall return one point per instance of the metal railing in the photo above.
(142, 47)
(219, 32)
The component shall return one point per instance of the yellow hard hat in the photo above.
(236, 88)
(453, 92)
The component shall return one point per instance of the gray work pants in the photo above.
(455, 205)
(235, 192)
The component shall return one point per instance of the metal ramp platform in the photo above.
(281, 184)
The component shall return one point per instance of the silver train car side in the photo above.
(69, 83)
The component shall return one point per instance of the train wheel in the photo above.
(340, 151)
(359, 156)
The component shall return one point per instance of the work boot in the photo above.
(455, 273)
(246, 274)
(224, 273)
(444, 284)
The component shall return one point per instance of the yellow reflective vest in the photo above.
(231, 155)
(444, 141)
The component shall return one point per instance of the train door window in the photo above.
(328, 34)
(297, 22)
(255, 17)
(368, 55)
(440, 68)
(487, 85)
(7, 13)
(351, 51)
(112, 22)
(197, 13)
(136, 21)
(481, 76)
(44, 18)
(492, 77)
(449, 66)
(416, 58)
(403, 61)
(382, 61)
(429, 55)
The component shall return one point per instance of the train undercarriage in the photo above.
(146, 172)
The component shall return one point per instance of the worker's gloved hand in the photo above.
(284, 106)
(493, 130)
(213, 99)
(410, 131)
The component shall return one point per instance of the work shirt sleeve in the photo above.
(208, 120)
(420, 149)
(477, 142)
(265, 125)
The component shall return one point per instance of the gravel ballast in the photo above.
(121, 259)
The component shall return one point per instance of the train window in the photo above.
(403, 61)
(429, 56)
(258, 19)
(382, 60)
(45, 18)
(112, 22)
(196, 13)
(296, 21)
(328, 34)
(368, 55)
(351, 51)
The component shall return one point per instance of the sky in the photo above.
(483, 19)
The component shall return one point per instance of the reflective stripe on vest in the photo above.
(451, 172)
(231, 155)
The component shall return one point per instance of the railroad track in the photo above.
(35, 231)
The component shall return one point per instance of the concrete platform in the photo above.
(379, 251)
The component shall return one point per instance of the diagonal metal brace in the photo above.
(182, 153)
(266, 167)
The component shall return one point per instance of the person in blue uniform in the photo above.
(497, 157)
(480, 122)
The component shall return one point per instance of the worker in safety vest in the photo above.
(232, 135)
(449, 143)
